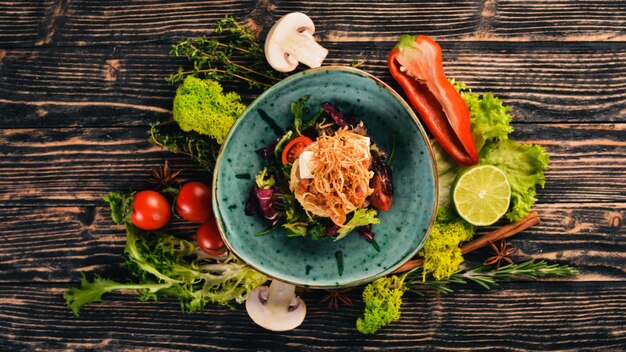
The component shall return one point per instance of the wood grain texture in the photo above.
(85, 23)
(81, 79)
(121, 86)
(546, 317)
(76, 166)
(54, 244)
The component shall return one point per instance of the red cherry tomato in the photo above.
(209, 238)
(151, 210)
(294, 148)
(194, 202)
(379, 200)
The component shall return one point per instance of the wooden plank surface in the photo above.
(85, 23)
(121, 86)
(69, 240)
(80, 80)
(78, 165)
(546, 317)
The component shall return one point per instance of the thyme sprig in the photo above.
(201, 149)
(487, 276)
(232, 54)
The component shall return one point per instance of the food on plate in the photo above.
(481, 194)
(294, 148)
(324, 177)
(193, 202)
(416, 63)
(151, 210)
(332, 175)
(290, 41)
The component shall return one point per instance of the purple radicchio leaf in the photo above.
(264, 197)
(252, 204)
(331, 231)
(260, 202)
(366, 232)
(339, 117)
(267, 153)
(334, 113)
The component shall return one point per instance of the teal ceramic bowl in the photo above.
(301, 261)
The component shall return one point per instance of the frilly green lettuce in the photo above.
(361, 217)
(163, 265)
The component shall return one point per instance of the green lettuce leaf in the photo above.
(489, 118)
(163, 265)
(362, 217)
(121, 206)
(523, 165)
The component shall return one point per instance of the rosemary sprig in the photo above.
(233, 54)
(201, 149)
(487, 276)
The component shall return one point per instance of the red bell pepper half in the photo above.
(416, 63)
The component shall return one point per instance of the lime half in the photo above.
(481, 194)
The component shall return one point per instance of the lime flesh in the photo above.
(481, 195)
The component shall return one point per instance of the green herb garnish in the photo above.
(233, 53)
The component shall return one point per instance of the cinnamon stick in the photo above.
(497, 235)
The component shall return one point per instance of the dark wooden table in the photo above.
(80, 80)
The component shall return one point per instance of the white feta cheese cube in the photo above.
(307, 164)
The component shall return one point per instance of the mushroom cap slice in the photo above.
(276, 307)
(291, 41)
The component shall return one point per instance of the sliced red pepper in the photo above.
(416, 63)
(294, 148)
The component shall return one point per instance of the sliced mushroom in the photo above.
(291, 41)
(276, 307)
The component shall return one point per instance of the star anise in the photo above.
(164, 176)
(500, 254)
(335, 298)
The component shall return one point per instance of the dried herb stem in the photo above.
(215, 70)
(227, 60)
(487, 276)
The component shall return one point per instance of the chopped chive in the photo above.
(339, 257)
(374, 244)
(265, 117)
(266, 231)
(393, 149)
